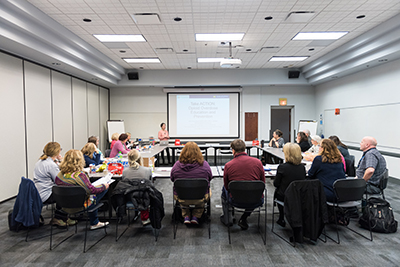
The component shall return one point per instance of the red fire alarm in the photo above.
(337, 111)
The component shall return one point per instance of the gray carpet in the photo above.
(192, 246)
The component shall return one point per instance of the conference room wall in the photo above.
(374, 86)
(12, 120)
(93, 110)
(37, 108)
(143, 109)
(104, 116)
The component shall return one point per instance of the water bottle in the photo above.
(120, 157)
(151, 165)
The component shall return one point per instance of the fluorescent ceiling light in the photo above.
(142, 60)
(288, 58)
(219, 36)
(209, 59)
(120, 37)
(319, 35)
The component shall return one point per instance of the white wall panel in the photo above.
(38, 112)
(12, 122)
(103, 94)
(80, 117)
(62, 109)
(93, 110)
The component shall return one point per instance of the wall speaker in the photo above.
(293, 74)
(133, 75)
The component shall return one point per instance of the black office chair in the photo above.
(247, 194)
(129, 207)
(191, 189)
(349, 194)
(73, 198)
(107, 153)
(350, 168)
(311, 192)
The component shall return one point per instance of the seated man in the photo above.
(242, 167)
(371, 166)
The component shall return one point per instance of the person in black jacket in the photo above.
(302, 141)
(288, 172)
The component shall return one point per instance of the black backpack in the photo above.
(380, 216)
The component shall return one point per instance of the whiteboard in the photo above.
(115, 127)
(354, 123)
(308, 125)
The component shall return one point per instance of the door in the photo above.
(250, 126)
(281, 118)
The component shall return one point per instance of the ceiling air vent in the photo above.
(164, 50)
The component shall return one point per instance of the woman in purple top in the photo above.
(119, 146)
(191, 165)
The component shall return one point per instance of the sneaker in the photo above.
(243, 224)
(146, 222)
(194, 220)
(71, 222)
(99, 225)
(59, 223)
(187, 220)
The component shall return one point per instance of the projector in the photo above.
(230, 62)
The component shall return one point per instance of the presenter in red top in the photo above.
(164, 136)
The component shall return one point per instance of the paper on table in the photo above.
(104, 180)
(268, 167)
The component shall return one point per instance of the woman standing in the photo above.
(327, 167)
(71, 173)
(277, 140)
(119, 146)
(164, 136)
(291, 170)
(191, 164)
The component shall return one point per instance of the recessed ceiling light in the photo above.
(87, 20)
(268, 18)
(319, 35)
(248, 49)
(209, 59)
(219, 36)
(56, 64)
(122, 51)
(142, 60)
(189, 68)
(288, 58)
(120, 37)
(311, 49)
(141, 68)
(177, 19)
(360, 17)
(185, 50)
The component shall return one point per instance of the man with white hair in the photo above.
(307, 132)
(371, 166)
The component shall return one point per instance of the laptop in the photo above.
(164, 143)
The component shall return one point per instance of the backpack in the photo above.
(380, 216)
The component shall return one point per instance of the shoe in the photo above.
(59, 223)
(243, 224)
(71, 222)
(223, 221)
(187, 220)
(281, 223)
(194, 220)
(146, 222)
(99, 225)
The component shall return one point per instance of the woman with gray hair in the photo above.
(137, 171)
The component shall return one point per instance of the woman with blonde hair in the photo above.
(191, 165)
(291, 170)
(327, 167)
(90, 155)
(114, 139)
(44, 175)
(71, 173)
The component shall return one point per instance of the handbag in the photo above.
(378, 214)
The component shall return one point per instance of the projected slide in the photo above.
(203, 115)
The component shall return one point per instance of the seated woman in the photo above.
(302, 141)
(119, 146)
(327, 167)
(90, 155)
(137, 171)
(342, 147)
(286, 173)
(314, 149)
(71, 173)
(44, 175)
(95, 140)
(277, 140)
(114, 139)
(191, 165)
